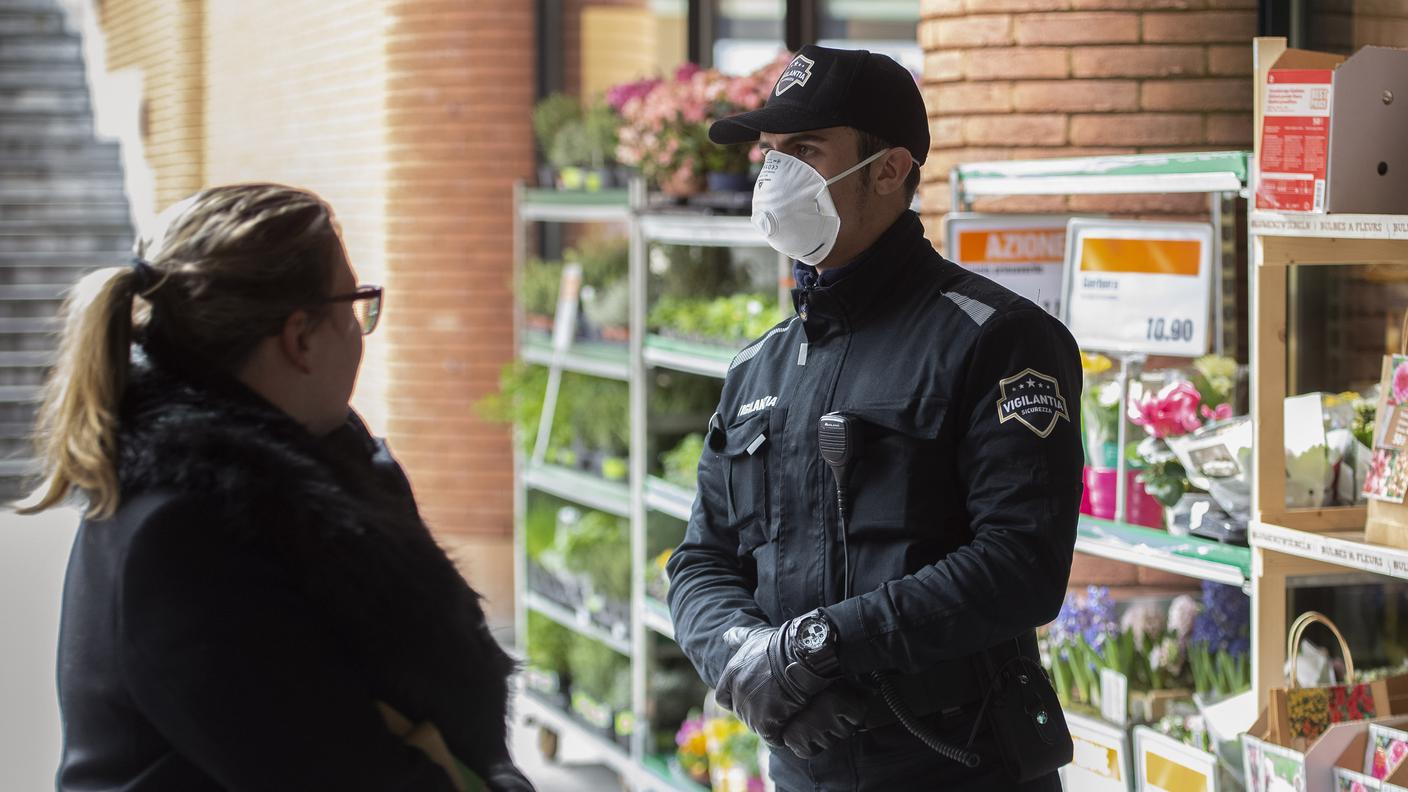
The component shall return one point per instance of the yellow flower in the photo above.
(1094, 363)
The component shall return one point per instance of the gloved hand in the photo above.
(832, 717)
(767, 688)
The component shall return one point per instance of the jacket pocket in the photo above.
(744, 447)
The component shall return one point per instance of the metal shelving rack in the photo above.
(640, 494)
(1223, 177)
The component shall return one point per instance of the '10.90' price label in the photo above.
(1139, 287)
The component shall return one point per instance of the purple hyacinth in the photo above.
(1091, 617)
(1225, 621)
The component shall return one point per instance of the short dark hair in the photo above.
(869, 144)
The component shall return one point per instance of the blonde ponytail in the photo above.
(76, 432)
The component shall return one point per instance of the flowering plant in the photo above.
(1176, 409)
(666, 121)
(692, 748)
(1099, 409)
(1220, 642)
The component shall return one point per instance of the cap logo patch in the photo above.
(796, 73)
(1032, 399)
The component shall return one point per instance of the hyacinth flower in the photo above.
(1220, 644)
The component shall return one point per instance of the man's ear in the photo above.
(294, 340)
(893, 168)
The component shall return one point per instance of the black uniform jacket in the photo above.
(963, 500)
(233, 625)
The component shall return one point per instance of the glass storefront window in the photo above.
(747, 33)
(884, 26)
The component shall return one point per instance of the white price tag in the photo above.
(1025, 253)
(1140, 287)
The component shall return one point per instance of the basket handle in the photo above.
(1293, 644)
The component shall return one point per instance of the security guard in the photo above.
(959, 466)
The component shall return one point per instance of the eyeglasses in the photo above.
(366, 306)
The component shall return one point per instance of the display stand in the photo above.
(1220, 175)
(641, 494)
(1290, 543)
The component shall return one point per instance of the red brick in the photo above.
(1018, 63)
(938, 8)
(1156, 577)
(1075, 96)
(1015, 6)
(946, 132)
(1139, 61)
(969, 97)
(1144, 129)
(1015, 130)
(1087, 570)
(943, 66)
(1230, 61)
(1140, 204)
(1196, 95)
(943, 161)
(1077, 28)
(971, 31)
(1230, 129)
(1135, 5)
(1202, 27)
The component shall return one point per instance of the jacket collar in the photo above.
(842, 297)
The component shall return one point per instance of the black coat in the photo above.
(257, 591)
(964, 496)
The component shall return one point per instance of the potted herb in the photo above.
(550, 115)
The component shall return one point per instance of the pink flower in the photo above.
(1220, 413)
(1170, 413)
(686, 72)
(1400, 383)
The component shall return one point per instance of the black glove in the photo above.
(766, 687)
(829, 720)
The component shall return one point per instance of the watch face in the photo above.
(813, 634)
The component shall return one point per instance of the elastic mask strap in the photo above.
(847, 172)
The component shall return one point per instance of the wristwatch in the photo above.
(812, 640)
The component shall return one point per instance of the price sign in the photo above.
(1139, 287)
(1027, 254)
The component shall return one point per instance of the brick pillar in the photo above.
(1027, 79)
(165, 41)
(1024, 79)
(459, 98)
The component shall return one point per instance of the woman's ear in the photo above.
(894, 168)
(295, 340)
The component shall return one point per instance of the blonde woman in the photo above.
(251, 579)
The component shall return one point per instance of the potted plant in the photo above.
(570, 152)
(665, 124)
(550, 115)
(605, 295)
(600, 126)
(537, 293)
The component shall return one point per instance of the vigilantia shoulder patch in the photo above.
(1032, 398)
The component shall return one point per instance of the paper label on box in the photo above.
(1295, 140)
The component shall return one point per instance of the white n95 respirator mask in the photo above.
(792, 206)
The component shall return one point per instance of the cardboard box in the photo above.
(1334, 131)
(1273, 768)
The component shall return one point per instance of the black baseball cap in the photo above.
(824, 87)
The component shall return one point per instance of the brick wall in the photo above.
(458, 122)
(1024, 79)
(412, 120)
(163, 39)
